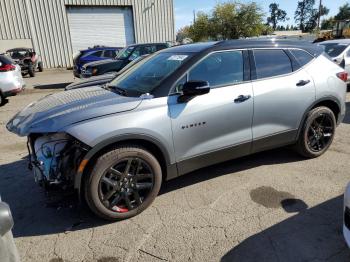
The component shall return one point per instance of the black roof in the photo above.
(19, 49)
(248, 44)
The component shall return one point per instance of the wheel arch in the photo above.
(330, 101)
(152, 144)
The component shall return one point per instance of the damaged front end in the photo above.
(54, 158)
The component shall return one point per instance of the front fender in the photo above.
(171, 168)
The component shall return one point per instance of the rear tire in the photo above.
(31, 70)
(123, 183)
(317, 133)
(40, 66)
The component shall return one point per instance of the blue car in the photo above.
(96, 53)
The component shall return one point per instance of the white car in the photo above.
(346, 224)
(339, 51)
(11, 81)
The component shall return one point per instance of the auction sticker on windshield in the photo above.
(178, 57)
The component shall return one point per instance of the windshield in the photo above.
(334, 49)
(19, 54)
(125, 53)
(143, 77)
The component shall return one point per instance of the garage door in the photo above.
(91, 26)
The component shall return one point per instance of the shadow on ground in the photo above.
(314, 234)
(38, 213)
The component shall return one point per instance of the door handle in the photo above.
(242, 98)
(303, 82)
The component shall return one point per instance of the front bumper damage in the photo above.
(55, 158)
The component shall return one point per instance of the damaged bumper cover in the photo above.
(55, 158)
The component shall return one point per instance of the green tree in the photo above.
(276, 15)
(327, 24)
(200, 30)
(344, 12)
(183, 33)
(303, 13)
(230, 20)
(312, 23)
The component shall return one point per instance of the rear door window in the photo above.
(5, 60)
(109, 54)
(271, 63)
(97, 54)
(301, 56)
(149, 49)
(161, 47)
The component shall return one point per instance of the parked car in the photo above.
(339, 51)
(123, 58)
(96, 53)
(8, 250)
(27, 59)
(102, 79)
(11, 81)
(179, 110)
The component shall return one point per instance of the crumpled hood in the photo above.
(54, 112)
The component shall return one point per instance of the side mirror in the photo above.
(6, 220)
(195, 88)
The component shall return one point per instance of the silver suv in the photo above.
(179, 110)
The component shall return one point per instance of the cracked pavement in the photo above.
(227, 212)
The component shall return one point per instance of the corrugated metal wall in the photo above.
(46, 23)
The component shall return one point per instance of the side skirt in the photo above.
(214, 157)
(275, 140)
(237, 151)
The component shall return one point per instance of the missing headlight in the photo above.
(54, 158)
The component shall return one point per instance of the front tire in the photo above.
(317, 133)
(123, 183)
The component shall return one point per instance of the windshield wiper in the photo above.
(119, 90)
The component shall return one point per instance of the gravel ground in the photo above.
(272, 206)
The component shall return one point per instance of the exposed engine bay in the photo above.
(54, 158)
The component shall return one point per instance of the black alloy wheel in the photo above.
(125, 185)
(320, 132)
(317, 132)
(123, 182)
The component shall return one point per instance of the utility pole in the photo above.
(194, 16)
(319, 15)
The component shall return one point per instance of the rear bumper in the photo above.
(13, 92)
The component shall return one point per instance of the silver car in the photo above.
(11, 81)
(179, 110)
(339, 51)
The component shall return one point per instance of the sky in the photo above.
(184, 8)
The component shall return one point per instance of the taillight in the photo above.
(6, 68)
(343, 76)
